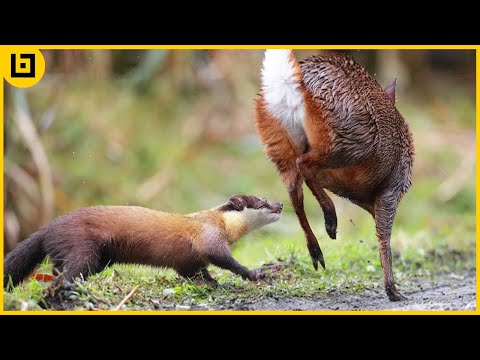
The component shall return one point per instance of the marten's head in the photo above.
(250, 211)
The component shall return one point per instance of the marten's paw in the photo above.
(255, 275)
(204, 279)
(316, 254)
(259, 274)
(211, 283)
(252, 275)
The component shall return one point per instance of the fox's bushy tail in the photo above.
(21, 261)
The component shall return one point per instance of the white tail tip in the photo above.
(281, 86)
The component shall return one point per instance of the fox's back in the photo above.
(355, 105)
(359, 112)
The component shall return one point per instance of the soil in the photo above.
(445, 292)
(440, 292)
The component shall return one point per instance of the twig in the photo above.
(118, 287)
(126, 298)
(11, 229)
(32, 141)
(156, 184)
(23, 180)
(152, 61)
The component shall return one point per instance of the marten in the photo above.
(324, 120)
(87, 240)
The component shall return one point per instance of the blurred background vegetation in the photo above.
(173, 130)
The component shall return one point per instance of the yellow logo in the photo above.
(22, 66)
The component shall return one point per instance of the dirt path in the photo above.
(446, 292)
(453, 291)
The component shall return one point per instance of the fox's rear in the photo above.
(326, 121)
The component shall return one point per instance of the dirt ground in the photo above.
(446, 292)
(453, 291)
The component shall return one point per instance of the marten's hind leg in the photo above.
(203, 277)
(57, 267)
(82, 261)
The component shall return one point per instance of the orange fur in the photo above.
(87, 240)
(279, 147)
(359, 146)
(317, 130)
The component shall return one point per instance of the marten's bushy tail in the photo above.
(20, 262)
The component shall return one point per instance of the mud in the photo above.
(453, 291)
(445, 292)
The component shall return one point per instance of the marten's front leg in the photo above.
(225, 260)
(82, 261)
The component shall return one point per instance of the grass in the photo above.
(352, 265)
(107, 141)
(289, 273)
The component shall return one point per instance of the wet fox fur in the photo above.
(326, 122)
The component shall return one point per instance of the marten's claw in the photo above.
(252, 275)
(204, 282)
(256, 275)
(259, 274)
(316, 255)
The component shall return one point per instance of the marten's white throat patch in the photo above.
(251, 218)
(282, 94)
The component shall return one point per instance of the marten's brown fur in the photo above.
(85, 241)
(326, 121)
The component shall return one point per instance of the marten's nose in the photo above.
(281, 205)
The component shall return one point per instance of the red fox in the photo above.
(326, 121)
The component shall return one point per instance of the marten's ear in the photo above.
(237, 202)
(390, 90)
